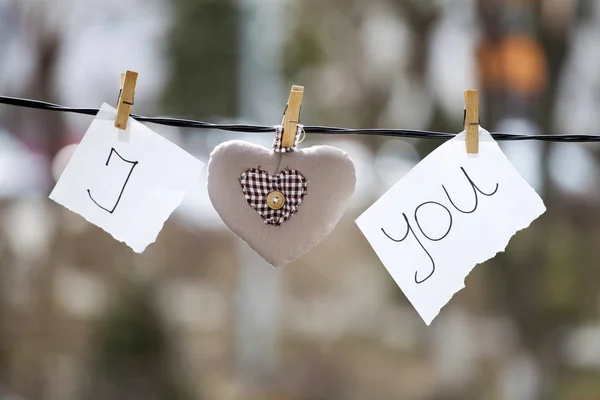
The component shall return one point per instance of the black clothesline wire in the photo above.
(398, 133)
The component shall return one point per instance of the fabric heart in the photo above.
(330, 178)
(275, 198)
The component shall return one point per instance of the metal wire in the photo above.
(327, 130)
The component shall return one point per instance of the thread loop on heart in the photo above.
(278, 141)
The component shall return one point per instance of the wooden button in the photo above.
(275, 200)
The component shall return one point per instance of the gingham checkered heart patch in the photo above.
(274, 197)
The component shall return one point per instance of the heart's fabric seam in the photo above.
(257, 184)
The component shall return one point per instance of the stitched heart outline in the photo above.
(331, 177)
(257, 184)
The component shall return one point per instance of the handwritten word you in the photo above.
(430, 205)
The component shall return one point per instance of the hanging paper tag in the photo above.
(449, 213)
(126, 182)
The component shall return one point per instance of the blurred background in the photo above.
(201, 316)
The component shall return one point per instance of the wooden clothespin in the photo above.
(125, 103)
(472, 120)
(291, 116)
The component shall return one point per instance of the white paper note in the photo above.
(126, 182)
(449, 213)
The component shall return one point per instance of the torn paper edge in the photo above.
(428, 323)
(162, 224)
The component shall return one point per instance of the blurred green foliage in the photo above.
(133, 358)
(203, 50)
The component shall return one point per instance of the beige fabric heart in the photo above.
(331, 179)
